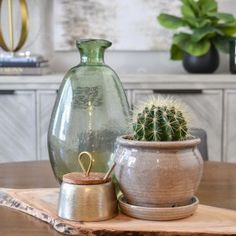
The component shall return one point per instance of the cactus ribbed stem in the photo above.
(160, 123)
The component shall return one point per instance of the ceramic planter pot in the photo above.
(158, 174)
(207, 63)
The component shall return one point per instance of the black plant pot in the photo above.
(207, 63)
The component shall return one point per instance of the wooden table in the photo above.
(218, 188)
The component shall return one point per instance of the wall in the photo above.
(122, 61)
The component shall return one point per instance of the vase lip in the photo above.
(100, 42)
(189, 143)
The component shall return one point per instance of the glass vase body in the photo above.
(90, 111)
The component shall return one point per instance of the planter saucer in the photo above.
(158, 213)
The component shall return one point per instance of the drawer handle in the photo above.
(7, 92)
(178, 91)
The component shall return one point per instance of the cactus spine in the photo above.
(161, 122)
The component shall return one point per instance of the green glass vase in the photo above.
(90, 111)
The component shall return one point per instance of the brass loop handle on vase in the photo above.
(24, 27)
(87, 155)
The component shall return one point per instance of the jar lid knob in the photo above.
(87, 155)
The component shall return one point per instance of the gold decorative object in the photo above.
(86, 172)
(87, 196)
(24, 26)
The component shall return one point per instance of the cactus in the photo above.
(161, 120)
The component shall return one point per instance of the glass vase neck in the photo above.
(92, 51)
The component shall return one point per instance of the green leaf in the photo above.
(192, 5)
(194, 22)
(170, 22)
(229, 29)
(176, 53)
(191, 22)
(222, 43)
(199, 48)
(206, 32)
(202, 22)
(179, 38)
(187, 11)
(229, 24)
(222, 17)
(184, 42)
(206, 6)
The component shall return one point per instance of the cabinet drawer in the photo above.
(45, 103)
(17, 126)
(205, 107)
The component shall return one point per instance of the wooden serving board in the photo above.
(42, 204)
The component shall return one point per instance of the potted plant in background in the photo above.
(204, 30)
(159, 165)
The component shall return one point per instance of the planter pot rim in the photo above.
(190, 143)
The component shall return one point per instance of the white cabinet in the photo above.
(26, 104)
(17, 125)
(141, 95)
(230, 126)
(205, 107)
(45, 102)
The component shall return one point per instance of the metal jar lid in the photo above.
(87, 178)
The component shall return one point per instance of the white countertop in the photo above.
(141, 81)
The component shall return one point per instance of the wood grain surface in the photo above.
(218, 188)
(42, 203)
